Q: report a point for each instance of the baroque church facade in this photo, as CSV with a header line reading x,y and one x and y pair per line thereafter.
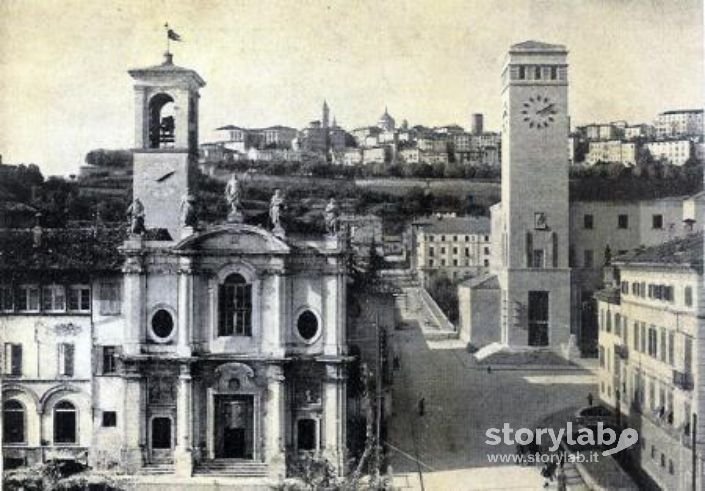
x,y
181,349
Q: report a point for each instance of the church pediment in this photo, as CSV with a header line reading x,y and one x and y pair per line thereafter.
x,y
236,238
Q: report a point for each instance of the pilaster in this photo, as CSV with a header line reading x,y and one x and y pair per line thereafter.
x,y
134,283
185,307
275,419
334,416
133,406
183,459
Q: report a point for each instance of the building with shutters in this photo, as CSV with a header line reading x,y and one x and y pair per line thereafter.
x,y
650,350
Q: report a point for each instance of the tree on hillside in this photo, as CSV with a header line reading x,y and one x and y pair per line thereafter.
x,y
109,158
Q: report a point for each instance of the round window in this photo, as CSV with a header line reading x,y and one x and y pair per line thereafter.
x,y
307,325
162,324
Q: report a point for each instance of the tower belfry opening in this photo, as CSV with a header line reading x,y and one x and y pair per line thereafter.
x,y
161,121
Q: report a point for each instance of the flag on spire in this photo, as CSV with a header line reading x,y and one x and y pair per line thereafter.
x,y
173,35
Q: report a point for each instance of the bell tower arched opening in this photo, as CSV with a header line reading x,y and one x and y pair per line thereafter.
x,y
161,121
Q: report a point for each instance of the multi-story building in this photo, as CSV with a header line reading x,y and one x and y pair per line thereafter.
x,y
186,349
680,123
457,247
376,155
676,152
602,230
608,151
601,131
639,131
651,321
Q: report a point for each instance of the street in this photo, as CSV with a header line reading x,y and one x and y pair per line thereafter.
x,y
463,400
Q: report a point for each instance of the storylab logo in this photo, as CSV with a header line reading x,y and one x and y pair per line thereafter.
x,y
584,436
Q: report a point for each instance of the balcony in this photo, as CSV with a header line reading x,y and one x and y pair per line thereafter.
x,y
622,351
683,380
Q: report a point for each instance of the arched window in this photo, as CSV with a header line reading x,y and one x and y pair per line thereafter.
x,y
64,422
161,121
235,307
13,422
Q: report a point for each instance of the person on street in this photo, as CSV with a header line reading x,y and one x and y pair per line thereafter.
x,y
422,406
589,398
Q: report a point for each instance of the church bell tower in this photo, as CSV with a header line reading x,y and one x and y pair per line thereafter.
x,y
535,278
166,141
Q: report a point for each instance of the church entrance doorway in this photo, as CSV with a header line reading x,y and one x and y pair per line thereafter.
x,y
161,438
538,318
234,427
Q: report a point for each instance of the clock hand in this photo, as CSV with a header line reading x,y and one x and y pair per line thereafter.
x,y
545,109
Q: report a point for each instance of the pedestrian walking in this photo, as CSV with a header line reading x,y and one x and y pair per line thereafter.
x,y
589,398
562,480
548,472
489,368
422,406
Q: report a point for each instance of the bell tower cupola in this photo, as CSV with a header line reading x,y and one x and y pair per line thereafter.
x,y
166,140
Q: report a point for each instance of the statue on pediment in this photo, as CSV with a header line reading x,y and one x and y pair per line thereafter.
x,y
275,207
332,213
189,217
136,214
233,195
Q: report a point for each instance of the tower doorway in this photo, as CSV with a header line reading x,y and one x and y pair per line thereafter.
x,y
538,318
234,427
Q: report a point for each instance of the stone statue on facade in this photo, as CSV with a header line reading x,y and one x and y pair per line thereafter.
x,y
136,213
332,213
189,217
275,206
233,195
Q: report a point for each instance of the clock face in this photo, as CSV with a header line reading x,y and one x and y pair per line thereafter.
x,y
538,112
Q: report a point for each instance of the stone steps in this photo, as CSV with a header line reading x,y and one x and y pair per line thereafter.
x,y
156,469
231,468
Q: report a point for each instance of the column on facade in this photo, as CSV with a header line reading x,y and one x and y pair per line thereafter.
x,y
331,320
134,283
334,415
274,424
133,407
182,454
185,307
275,300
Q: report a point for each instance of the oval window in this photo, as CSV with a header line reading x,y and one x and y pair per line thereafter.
x,y
162,324
307,325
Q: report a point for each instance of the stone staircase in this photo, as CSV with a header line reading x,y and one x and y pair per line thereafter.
x,y
231,468
157,469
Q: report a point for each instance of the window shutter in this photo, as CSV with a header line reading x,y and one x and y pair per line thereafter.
x,y
221,310
554,240
529,249
97,360
68,359
16,355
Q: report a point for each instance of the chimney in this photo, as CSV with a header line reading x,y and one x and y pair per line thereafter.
x,y
477,124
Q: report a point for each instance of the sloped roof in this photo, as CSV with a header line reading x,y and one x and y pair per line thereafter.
x,y
455,225
537,46
167,67
683,251
67,249
484,282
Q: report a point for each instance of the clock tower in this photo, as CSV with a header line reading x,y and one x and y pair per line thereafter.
x,y
533,237
166,141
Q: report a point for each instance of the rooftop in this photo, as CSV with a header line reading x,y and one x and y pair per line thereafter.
x,y
684,251
70,249
537,46
455,225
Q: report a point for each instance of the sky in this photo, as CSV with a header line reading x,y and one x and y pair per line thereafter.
x,y
65,90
